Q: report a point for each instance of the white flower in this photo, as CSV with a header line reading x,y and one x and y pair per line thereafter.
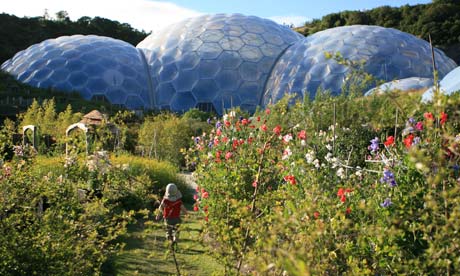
x,y
303,143
341,173
310,156
286,153
287,138
316,162
225,117
329,147
359,173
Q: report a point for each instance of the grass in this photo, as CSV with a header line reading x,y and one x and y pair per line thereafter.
x,y
147,252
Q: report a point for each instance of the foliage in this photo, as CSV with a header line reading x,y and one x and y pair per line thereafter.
x,y
333,187
162,136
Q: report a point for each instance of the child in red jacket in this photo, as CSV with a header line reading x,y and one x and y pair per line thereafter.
x,y
171,207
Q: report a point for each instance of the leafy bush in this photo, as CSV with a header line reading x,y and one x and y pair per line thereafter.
x,y
337,186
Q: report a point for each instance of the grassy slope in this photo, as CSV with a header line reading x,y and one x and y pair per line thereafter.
x,y
146,252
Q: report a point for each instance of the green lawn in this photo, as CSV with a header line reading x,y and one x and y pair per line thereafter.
x,y
147,252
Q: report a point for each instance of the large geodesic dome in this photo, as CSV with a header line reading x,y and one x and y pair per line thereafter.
x,y
96,67
448,85
388,54
214,61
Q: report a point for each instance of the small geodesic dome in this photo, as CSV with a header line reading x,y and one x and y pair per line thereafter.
x,y
96,67
408,84
388,54
448,85
214,61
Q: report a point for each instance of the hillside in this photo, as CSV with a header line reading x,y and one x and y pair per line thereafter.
x,y
440,19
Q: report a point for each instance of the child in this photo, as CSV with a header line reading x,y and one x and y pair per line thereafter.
x,y
171,207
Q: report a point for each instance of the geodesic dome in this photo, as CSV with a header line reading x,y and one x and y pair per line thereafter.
x,y
94,66
214,61
389,54
448,85
408,84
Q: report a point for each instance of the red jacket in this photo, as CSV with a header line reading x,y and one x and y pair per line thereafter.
x,y
171,208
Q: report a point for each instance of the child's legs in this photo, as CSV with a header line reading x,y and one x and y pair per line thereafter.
x,y
172,228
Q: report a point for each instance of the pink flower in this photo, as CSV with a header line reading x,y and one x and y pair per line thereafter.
x,y
244,122
195,208
316,215
263,127
267,111
254,184
302,135
205,195
277,130
429,116
218,132
419,126
228,155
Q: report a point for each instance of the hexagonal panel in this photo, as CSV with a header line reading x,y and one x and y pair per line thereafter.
x,y
389,54
205,90
90,65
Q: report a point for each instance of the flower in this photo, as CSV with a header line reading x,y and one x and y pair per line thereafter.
x,y
277,130
287,138
348,211
302,135
291,179
443,119
419,126
390,141
267,111
342,193
263,127
286,153
388,177
195,208
341,173
205,195
227,123
244,122
429,116
228,155
374,147
254,183
386,203
408,140
316,215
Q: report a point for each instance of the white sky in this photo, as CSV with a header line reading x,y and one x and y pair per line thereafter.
x,y
144,15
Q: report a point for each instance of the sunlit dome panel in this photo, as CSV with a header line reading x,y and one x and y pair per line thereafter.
x,y
213,59
97,67
388,55
448,85
408,84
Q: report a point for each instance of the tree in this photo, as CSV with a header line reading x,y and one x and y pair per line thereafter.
x,y
62,16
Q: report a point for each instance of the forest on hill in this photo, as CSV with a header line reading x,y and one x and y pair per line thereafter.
x,y
440,19
18,33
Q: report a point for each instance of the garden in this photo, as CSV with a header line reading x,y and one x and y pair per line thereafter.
x,y
338,185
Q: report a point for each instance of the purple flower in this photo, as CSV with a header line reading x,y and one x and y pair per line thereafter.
x,y
386,203
389,178
218,124
411,121
374,147
241,118
416,141
208,121
197,140
210,144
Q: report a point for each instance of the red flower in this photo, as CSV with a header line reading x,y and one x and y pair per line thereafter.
x,y
195,197
254,184
218,132
348,211
390,141
250,139
205,195
227,123
216,141
428,116
195,208
244,122
342,193
316,214
258,118
224,139
408,140
263,127
267,111
277,130
290,179
302,135
443,118
235,144
218,153
205,209
206,218
228,155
